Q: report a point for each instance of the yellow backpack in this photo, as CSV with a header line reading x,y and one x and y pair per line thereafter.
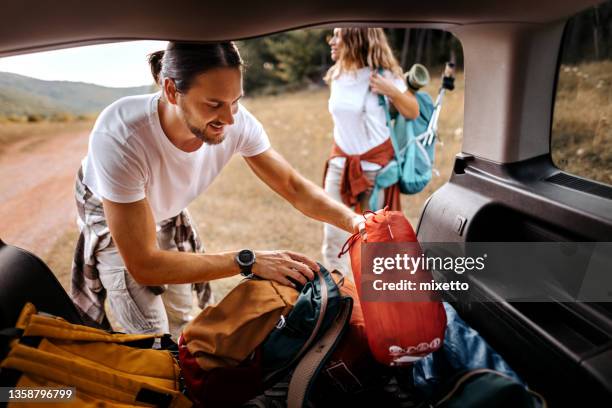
x,y
106,369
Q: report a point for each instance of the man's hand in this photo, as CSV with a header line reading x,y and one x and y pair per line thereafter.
x,y
281,265
359,222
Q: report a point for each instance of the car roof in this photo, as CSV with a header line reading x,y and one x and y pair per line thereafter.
x,y
36,25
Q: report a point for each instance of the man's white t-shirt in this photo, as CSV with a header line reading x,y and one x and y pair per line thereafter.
x,y
131,158
348,93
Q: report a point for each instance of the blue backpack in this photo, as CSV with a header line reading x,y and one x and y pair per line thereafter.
x,y
414,145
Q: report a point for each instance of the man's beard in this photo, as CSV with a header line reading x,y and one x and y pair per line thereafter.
x,y
201,134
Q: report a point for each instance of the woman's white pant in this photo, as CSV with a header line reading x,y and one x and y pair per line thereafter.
x,y
333,237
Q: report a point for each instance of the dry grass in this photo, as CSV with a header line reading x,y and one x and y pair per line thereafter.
x,y
239,211
581,141
27,135
59,256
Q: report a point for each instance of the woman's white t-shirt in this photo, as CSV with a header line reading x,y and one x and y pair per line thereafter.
x,y
131,158
346,103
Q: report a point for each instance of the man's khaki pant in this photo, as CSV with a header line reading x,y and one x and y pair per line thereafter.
x,y
134,307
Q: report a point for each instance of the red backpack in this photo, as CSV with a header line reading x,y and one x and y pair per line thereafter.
x,y
397,332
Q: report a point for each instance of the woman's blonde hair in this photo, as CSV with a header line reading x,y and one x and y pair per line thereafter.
x,y
363,47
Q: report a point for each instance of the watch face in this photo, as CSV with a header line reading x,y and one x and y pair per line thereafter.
x,y
245,257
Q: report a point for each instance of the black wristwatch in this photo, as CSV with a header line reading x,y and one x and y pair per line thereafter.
x,y
245,260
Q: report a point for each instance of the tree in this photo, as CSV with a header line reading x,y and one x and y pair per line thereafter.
x,y
259,72
405,45
297,58
299,55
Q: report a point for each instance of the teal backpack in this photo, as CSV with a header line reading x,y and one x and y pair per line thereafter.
x,y
414,146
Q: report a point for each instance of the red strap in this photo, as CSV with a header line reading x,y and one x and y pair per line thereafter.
x,y
349,243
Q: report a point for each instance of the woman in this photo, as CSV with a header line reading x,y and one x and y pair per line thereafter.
x,y
361,137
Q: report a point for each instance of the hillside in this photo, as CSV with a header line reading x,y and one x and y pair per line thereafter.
x,y
21,95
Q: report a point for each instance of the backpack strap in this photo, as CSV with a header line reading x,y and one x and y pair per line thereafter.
x,y
311,364
382,101
324,300
364,112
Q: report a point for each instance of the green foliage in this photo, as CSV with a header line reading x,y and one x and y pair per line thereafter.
x,y
295,59
259,74
284,61
301,55
274,64
588,35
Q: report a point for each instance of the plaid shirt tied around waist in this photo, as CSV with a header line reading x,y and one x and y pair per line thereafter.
x,y
87,291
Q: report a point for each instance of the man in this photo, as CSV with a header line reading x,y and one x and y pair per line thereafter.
x,y
149,157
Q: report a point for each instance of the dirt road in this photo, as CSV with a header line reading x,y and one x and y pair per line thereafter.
x,y
36,188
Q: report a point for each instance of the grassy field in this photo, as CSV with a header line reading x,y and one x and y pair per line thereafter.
x,y
581,141
239,211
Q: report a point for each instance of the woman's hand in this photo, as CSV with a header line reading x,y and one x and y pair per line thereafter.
x,y
405,102
383,86
279,266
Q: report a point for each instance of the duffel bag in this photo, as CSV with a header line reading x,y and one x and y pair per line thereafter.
x,y
106,369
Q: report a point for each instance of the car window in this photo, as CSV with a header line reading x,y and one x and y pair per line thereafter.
x,y
581,139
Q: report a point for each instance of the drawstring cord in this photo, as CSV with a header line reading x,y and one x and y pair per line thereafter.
x,y
349,243
353,238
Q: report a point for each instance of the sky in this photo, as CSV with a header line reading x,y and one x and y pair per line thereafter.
x,y
115,65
